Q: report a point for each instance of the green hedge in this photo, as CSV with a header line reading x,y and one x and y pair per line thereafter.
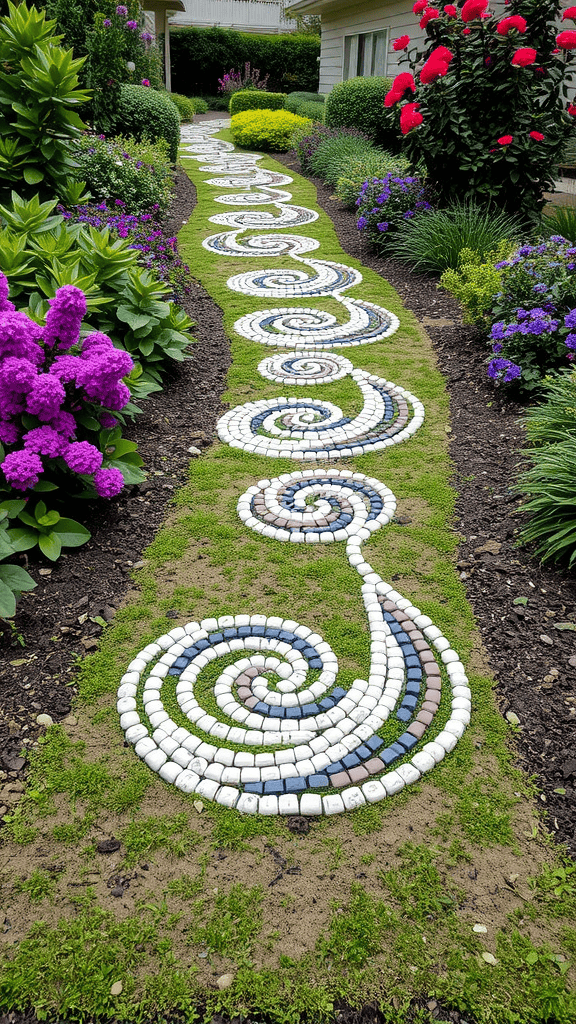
x,y
200,56
266,129
147,114
256,99
358,103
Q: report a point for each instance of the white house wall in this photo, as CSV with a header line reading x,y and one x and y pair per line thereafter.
x,y
243,15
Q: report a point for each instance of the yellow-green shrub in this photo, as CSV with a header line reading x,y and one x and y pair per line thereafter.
x,y
475,283
256,99
266,129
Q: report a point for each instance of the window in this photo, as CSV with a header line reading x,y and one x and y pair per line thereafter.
x,y
365,54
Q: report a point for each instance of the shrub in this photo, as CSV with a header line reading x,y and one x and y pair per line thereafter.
x,y
41,250
252,99
39,97
233,81
199,54
303,97
147,114
487,114
330,156
475,283
59,397
385,204
358,104
306,141
550,483
375,163
137,175
266,129
433,243
200,105
186,107
306,104
215,103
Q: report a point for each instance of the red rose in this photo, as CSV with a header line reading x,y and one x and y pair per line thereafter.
x,y
505,140
572,109
537,136
401,83
420,6
429,14
515,21
566,40
442,53
432,70
466,31
410,117
525,56
473,9
570,13
451,11
401,43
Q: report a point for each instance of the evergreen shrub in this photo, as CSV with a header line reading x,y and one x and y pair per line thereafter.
x,y
147,114
266,129
256,99
358,103
355,170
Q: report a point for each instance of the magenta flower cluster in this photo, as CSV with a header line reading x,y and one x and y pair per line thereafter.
x,y
49,374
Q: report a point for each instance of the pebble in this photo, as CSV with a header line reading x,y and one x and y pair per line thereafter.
x,y
116,988
225,981
44,720
192,450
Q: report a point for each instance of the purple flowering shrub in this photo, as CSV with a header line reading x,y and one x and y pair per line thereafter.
x,y
308,140
136,174
233,81
386,204
58,400
142,232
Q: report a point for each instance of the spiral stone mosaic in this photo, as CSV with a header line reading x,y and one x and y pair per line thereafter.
x,y
246,710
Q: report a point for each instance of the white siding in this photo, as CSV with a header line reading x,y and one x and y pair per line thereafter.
x,y
243,15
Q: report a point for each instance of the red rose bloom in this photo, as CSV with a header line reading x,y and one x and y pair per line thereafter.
x,y
437,65
473,9
420,6
572,109
401,43
537,136
429,14
525,56
566,40
400,84
570,13
515,21
505,140
466,31
410,117
451,11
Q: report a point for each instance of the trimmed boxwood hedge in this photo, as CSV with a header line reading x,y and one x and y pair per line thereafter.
x,y
200,56
146,113
256,99
266,129
358,103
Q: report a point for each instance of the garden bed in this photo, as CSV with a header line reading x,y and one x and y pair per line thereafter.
x,y
533,660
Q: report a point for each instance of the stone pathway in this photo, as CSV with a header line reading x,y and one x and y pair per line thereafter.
x,y
288,739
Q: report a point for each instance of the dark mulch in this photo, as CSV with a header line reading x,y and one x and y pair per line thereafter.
x,y
533,661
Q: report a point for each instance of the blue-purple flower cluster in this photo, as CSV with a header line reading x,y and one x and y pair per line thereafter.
x,y
385,203
50,378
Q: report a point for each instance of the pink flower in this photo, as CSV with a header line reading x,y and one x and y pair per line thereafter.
x,y
9,433
515,21
401,43
108,482
429,14
45,441
570,13
401,83
145,82
420,6
451,11
524,57
410,117
505,140
572,109
22,469
5,304
473,9
45,397
436,66
83,457
537,136
64,317
566,40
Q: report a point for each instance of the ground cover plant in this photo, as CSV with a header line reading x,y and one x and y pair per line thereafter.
x,y
289,958
485,107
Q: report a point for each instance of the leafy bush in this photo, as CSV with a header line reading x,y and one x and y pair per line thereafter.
x,y
39,97
375,163
550,483
306,141
385,204
253,99
59,396
306,104
13,578
215,102
233,81
186,107
200,104
476,282
358,104
41,250
330,156
303,97
266,129
433,243
136,175
199,54
487,114
147,114
314,111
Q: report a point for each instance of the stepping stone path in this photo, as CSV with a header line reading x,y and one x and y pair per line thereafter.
x,y
289,740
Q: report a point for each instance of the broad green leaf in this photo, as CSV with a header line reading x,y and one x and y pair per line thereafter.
x,y
7,602
50,545
71,534
16,577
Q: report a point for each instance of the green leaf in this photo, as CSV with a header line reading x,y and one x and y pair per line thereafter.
x,y
132,318
50,545
43,486
71,534
565,625
12,507
7,602
32,175
50,519
16,577
520,600
22,539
